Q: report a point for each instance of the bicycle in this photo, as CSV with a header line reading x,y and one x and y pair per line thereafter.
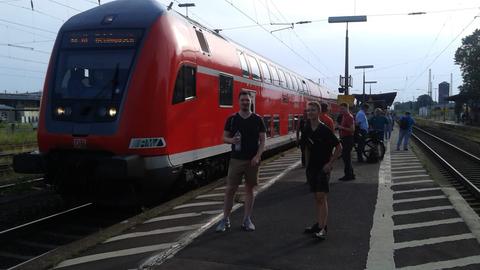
x,y
374,149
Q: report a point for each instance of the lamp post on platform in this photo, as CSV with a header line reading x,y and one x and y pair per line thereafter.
x,y
363,68
346,19
370,83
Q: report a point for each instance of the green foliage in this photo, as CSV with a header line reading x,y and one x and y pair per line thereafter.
x,y
18,137
468,57
424,101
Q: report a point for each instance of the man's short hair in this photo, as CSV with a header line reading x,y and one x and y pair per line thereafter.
x,y
324,107
407,113
315,104
345,105
244,93
365,106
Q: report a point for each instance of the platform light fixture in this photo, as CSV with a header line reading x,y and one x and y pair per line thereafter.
x,y
186,6
370,83
347,19
363,67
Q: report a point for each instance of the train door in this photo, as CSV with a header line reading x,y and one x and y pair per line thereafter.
x,y
252,94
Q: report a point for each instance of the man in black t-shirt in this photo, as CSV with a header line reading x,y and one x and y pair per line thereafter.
x,y
300,130
320,142
245,131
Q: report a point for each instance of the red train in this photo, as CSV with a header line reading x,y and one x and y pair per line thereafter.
x,y
137,93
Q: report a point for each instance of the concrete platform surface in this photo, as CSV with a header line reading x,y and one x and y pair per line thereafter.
x,y
393,216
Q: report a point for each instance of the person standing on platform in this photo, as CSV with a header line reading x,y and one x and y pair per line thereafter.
x,y
362,123
245,131
320,141
379,124
300,130
325,118
346,129
405,124
389,129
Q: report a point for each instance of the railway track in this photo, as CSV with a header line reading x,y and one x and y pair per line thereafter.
x,y
29,243
6,166
460,166
21,182
32,240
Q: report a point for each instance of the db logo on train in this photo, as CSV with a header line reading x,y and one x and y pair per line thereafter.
x,y
79,143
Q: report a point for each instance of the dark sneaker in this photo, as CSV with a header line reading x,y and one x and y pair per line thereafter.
x,y
248,225
312,229
223,225
405,149
322,234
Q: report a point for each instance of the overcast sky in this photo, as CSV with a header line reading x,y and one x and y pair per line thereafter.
x,y
401,47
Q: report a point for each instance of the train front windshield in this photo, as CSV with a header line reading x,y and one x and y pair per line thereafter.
x,y
92,74
95,64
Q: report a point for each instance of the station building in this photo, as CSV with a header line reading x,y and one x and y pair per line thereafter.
x,y
23,107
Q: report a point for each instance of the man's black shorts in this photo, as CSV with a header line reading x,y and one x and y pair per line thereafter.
x,y
318,180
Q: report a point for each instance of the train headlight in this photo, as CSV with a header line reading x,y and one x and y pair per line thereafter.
x,y
60,111
112,112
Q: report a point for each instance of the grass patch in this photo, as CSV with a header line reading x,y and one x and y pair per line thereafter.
x,y
17,136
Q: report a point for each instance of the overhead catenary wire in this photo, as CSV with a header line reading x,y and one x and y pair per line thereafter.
x,y
22,76
22,69
429,51
194,15
33,42
368,15
34,10
23,59
278,39
24,48
446,47
23,30
64,5
28,26
303,42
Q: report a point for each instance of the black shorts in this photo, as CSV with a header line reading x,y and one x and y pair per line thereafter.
x,y
318,180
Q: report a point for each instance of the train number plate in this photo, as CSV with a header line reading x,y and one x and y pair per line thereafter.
x,y
79,143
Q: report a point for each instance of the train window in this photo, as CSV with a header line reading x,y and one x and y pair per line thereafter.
x,y
267,121
226,90
185,85
92,74
304,86
267,77
294,83
276,125
300,88
289,81
202,41
283,81
276,79
255,68
243,63
290,123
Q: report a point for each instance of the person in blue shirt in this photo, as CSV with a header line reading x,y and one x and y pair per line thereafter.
x,y
405,123
378,124
361,122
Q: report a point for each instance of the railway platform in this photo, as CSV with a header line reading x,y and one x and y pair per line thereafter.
x,y
393,216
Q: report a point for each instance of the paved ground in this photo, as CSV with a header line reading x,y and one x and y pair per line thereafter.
x,y
394,216
416,225
281,215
